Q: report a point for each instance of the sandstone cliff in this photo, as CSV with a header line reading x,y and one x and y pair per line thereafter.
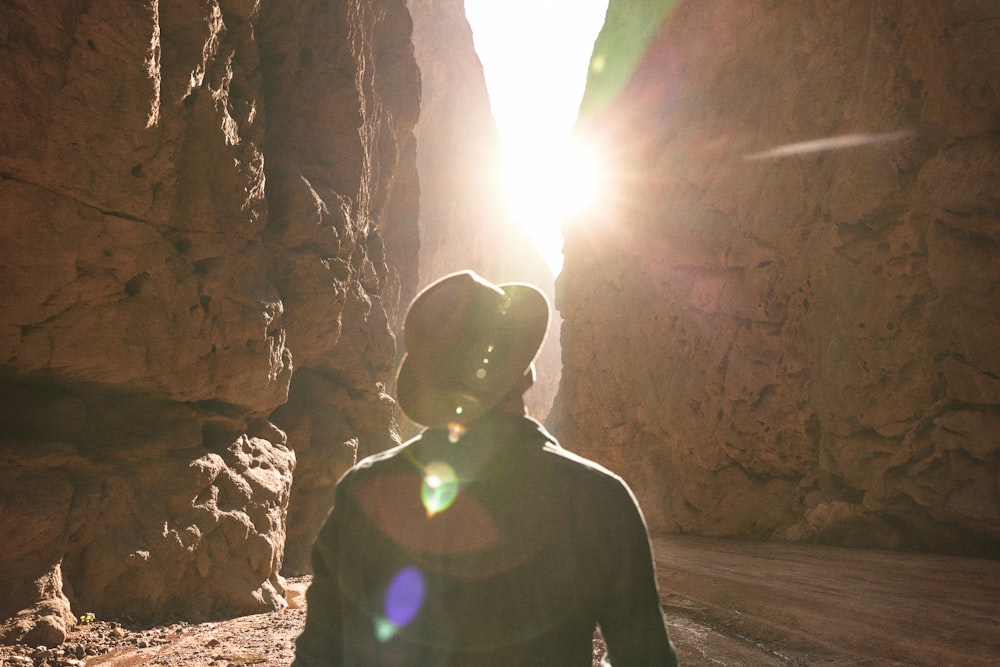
x,y
794,345
205,219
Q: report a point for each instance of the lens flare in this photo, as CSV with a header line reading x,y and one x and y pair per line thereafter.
x,y
455,432
402,603
831,143
439,489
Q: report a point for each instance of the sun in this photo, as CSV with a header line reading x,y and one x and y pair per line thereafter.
x,y
547,183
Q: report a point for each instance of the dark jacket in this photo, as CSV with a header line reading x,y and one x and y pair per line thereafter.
x,y
499,549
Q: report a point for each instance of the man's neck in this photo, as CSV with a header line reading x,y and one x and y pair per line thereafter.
x,y
513,404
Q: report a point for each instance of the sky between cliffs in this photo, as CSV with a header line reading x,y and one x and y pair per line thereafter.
x,y
535,56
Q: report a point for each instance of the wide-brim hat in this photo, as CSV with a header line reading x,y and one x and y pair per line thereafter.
x,y
468,342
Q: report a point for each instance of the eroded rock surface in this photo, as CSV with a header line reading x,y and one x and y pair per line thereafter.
x,y
795,341
342,94
196,204
128,507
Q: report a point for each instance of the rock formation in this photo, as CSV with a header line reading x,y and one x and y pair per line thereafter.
x,y
465,222
340,108
199,203
791,340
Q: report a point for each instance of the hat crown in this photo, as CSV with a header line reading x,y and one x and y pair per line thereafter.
x,y
467,342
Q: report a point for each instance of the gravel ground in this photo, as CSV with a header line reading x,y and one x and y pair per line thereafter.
x,y
263,640
727,602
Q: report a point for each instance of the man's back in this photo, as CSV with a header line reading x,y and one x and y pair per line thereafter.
x,y
498,549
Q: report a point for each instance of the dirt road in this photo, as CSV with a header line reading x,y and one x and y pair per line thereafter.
x,y
744,603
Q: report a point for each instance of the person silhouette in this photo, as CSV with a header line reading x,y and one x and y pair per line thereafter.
x,y
481,541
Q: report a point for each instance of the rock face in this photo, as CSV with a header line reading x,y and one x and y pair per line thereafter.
x,y
795,344
341,97
199,201
465,222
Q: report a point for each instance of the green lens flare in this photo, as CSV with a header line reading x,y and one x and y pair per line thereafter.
x,y
629,29
385,629
439,489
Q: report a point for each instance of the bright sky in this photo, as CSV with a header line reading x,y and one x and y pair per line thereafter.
x,y
535,55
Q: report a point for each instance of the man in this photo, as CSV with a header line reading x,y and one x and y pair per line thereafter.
x,y
480,542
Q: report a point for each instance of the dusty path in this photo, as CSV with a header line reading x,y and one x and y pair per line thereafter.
x,y
744,603
728,603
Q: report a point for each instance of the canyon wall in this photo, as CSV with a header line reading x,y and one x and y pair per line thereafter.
x,y
784,321
206,222
465,221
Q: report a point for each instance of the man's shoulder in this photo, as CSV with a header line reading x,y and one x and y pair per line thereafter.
x,y
572,460
586,471
369,465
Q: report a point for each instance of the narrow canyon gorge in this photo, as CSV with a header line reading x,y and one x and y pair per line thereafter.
x,y
779,324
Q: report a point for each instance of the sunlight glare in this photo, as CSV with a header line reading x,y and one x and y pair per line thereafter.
x,y
552,181
548,183
535,56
